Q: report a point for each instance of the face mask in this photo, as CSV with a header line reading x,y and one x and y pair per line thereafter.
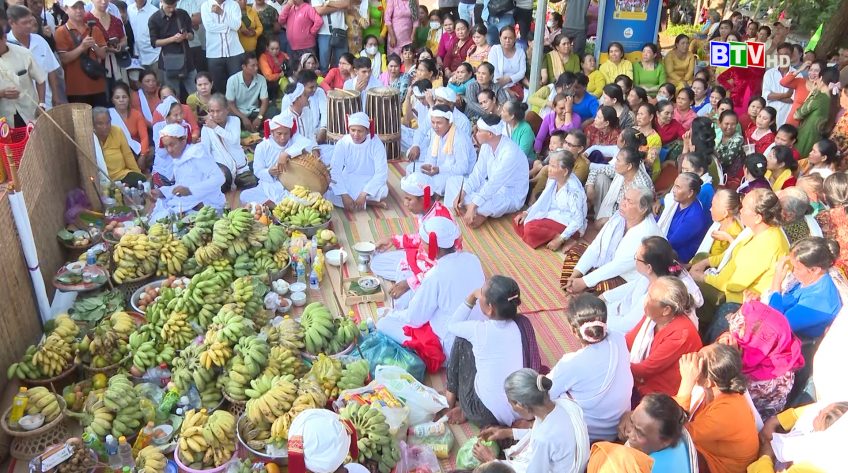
x,y
551,24
371,50
434,25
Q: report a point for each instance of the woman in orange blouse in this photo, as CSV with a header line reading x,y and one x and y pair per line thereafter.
x,y
803,87
133,122
150,91
188,114
273,63
721,422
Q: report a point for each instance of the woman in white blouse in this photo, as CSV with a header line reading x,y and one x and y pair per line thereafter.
x,y
510,63
558,441
560,211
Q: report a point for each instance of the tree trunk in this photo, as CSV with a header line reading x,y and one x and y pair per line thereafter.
x,y
833,32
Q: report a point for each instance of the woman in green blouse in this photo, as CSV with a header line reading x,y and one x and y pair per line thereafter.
x,y
560,59
649,73
814,114
512,114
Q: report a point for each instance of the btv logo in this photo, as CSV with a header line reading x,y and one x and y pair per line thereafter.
x,y
750,54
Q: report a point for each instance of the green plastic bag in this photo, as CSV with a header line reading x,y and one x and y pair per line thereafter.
x,y
465,459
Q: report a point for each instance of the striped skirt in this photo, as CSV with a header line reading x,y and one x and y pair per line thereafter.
x,y
572,256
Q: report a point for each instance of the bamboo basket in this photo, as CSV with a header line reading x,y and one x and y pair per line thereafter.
x,y
27,445
56,383
109,371
236,408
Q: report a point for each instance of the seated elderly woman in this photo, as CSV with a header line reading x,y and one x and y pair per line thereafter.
x,y
558,441
655,438
113,151
560,211
606,184
664,334
596,376
771,354
811,300
684,220
834,219
655,258
809,438
725,228
722,423
798,221
748,264
485,351
608,261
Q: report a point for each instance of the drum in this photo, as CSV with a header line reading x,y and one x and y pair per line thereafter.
x,y
308,171
340,104
382,105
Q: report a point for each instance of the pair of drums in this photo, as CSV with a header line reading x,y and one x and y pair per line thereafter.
x,y
382,105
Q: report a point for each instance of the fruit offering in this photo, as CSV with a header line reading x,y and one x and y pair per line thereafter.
x,y
150,460
118,412
327,237
52,356
375,442
108,343
151,293
302,207
207,441
354,375
269,398
135,256
288,334
81,461
42,401
324,333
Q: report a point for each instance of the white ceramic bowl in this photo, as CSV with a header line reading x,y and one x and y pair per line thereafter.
x,y
365,247
31,422
76,267
369,284
298,298
285,305
284,287
333,257
162,434
297,287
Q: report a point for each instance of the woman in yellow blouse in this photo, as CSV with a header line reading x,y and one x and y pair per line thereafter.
x,y
680,63
119,159
616,65
251,27
597,81
726,227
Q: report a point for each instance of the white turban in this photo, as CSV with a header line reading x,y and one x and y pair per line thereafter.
x,y
290,98
446,232
285,119
173,130
445,93
359,119
496,129
165,107
415,184
325,440
440,114
417,92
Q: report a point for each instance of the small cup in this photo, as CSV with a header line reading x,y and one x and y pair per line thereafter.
x,y
298,298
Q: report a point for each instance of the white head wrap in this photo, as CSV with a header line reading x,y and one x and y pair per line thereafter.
x,y
417,92
173,130
325,440
414,184
285,119
290,98
440,114
359,119
496,129
447,232
165,107
445,93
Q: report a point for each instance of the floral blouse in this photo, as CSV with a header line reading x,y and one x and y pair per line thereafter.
x,y
834,225
595,136
839,135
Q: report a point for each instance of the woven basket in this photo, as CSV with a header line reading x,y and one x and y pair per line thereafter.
x,y
56,383
28,445
236,408
109,371
129,286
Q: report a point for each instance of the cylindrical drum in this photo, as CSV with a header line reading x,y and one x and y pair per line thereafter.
x,y
382,105
340,104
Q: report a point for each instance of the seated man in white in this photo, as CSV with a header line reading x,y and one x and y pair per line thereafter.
x,y
163,167
282,142
362,80
420,109
455,275
359,171
447,97
497,185
196,175
301,102
221,137
402,259
447,152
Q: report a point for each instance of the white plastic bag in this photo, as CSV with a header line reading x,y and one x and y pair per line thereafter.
x,y
423,402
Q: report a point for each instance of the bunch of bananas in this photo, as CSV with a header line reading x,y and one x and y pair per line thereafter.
x,y
287,334
150,460
135,256
205,218
276,238
354,375
256,437
269,398
41,401
345,333
98,420
195,238
309,396
282,361
62,332
248,293
375,442
206,293
229,326
246,365
319,330
64,327
211,397
306,217
172,255
205,254
186,370
215,353
156,312
263,261
257,235
109,342
192,444
326,371
123,401
177,331
207,441
122,323
302,198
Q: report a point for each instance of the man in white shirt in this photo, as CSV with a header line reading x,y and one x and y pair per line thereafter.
x,y
22,84
222,20
22,24
447,97
332,12
447,150
359,171
776,95
362,80
140,12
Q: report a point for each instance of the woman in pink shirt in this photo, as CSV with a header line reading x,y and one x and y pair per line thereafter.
x,y
448,40
302,23
401,19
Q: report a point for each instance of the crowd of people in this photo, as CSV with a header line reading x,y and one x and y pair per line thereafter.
x,y
701,211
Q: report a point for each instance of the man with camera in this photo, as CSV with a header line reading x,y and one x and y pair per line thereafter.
x,y
82,49
171,30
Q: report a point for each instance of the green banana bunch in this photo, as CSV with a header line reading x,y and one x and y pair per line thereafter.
x,y
375,442
318,328
276,238
354,375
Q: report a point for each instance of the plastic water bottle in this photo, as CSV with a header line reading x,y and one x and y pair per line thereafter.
x,y
125,453
300,270
313,279
112,453
90,257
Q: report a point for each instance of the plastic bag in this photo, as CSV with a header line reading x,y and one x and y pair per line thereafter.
x,y
396,417
379,349
417,459
465,458
437,436
423,401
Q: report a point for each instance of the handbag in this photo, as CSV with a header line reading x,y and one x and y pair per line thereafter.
x,y
174,65
499,7
246,179
338,36
93,68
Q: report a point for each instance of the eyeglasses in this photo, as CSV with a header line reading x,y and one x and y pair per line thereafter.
x,y
572,145
636,258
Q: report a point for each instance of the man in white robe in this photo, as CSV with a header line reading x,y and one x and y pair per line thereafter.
x,y
362,80
498,183
359,171
455,275
319,442
221,137
282,142
447,151
447,97
420,108
302,102
197,177
163,166
776,95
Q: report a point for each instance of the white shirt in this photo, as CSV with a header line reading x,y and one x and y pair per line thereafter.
x,y
43,56
566,206
222,30
513,67
224,144
553,445
139,19
622,262
359,167
625,303
598,378
497,172
266,155
337,17
771,84
197,171
192,7
498,352
457,163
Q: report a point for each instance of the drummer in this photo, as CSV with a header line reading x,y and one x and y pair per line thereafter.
x,y
282,142
402,258
362,79
359,170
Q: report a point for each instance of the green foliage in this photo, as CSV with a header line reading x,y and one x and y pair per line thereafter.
x,y
688,30
807,15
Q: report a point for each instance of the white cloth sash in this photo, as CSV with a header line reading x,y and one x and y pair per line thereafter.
x,y
145,107
117,120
